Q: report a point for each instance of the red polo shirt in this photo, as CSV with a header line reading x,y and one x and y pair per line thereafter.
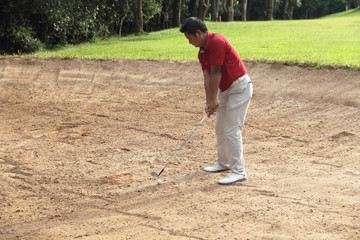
x,y
218,51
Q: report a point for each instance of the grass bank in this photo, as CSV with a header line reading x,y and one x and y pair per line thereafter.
x,y
331,41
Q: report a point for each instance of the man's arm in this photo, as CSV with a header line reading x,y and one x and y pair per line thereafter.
x,y
211,83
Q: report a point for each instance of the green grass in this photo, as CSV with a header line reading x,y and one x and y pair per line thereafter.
x,y
351,13
331,41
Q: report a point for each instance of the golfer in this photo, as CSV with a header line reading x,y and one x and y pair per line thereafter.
x,y
228,92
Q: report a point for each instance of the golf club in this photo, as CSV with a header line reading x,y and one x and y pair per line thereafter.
x,y
154,174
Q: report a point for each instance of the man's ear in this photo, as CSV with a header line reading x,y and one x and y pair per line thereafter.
x,y
198,33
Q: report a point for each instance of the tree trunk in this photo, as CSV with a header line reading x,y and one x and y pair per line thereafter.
x,y
230,10
244,9
176,13
284,10
214,10
139,28
193,8
347,6
304,8
352,4
291,11
122,18
165,12
203,9
270,10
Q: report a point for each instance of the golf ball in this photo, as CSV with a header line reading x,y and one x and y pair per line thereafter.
x,y
159,181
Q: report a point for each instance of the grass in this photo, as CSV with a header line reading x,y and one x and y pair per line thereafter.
x,y
351,13
330,41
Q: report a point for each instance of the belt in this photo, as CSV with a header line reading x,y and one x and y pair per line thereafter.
x,y
240,79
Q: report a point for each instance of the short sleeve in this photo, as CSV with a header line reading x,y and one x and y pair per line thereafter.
x,y
217,51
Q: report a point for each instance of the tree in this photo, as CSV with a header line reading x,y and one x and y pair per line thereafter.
x,y
229,10
284,9
138,16
123,16
317,8
214,10
203,8
270,10
293,3
165,13
194,6
244,9
352,4
199,8
176,13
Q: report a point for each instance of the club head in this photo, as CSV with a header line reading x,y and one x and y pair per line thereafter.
x,y
154,174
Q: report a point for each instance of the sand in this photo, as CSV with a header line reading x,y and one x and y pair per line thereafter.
x,y
78,140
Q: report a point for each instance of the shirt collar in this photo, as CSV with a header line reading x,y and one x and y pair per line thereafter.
x,y
207,43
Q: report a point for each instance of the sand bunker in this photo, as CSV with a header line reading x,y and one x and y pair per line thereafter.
x,y
78,140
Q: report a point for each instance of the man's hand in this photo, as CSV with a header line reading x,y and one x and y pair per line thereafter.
x,y
211,107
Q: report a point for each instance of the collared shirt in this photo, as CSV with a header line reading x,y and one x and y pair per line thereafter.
x,y
218,51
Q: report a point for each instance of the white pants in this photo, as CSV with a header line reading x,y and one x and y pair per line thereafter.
x,y
230,119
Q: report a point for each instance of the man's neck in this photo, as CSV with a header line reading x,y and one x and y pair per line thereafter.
x,y
204,37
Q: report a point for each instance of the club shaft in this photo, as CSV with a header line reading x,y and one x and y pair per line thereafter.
x,y
187,139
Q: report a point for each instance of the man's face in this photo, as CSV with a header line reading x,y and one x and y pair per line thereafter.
x,y
194,39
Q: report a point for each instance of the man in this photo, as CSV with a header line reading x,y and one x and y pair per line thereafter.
x,y
228,92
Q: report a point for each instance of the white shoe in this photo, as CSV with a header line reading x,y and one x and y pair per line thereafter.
x,y
233,178
216,168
